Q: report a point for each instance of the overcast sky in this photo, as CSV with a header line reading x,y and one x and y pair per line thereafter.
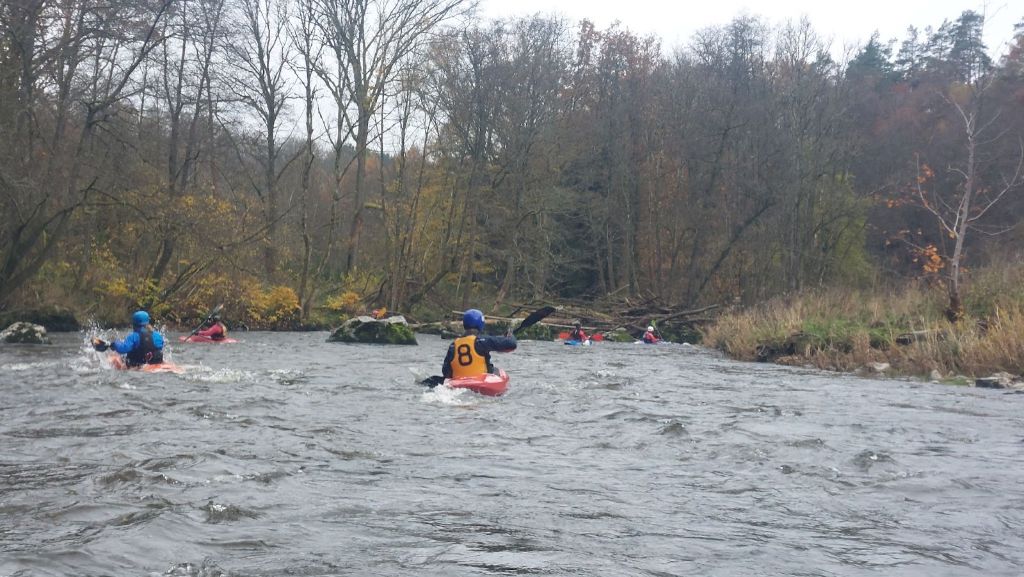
x,y
846,23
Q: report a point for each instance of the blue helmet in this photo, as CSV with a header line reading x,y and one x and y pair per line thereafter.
x,y
473,319
140,318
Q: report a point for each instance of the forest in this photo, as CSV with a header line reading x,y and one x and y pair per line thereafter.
x,y
305,160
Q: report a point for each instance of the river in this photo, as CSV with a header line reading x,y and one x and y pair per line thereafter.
x,y
287,455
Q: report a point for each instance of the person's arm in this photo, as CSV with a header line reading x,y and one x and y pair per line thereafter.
x,y
158,339
446,367
124,347
490,344
209,332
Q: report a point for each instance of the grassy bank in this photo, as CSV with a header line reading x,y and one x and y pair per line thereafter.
x,y
848,330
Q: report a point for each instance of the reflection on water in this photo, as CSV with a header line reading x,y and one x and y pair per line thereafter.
x,y
288,455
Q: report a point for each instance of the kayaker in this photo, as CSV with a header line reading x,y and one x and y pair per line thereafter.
x,y
144,345
577,333
215,329
470,354
649,337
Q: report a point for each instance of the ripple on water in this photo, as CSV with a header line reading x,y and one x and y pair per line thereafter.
x,y
279,458
226,513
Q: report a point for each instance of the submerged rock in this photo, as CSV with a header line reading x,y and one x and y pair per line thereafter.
x,y
363,329
25,333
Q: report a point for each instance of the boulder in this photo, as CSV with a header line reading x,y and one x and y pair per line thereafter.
x,y
364,329
997,381
25,333
619,335
443,329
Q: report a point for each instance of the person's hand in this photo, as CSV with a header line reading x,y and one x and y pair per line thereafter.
x,y
100,344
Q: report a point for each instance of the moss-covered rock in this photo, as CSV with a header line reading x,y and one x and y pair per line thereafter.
x,y
25,333
443,329
538,332
390,331
619,335
54,319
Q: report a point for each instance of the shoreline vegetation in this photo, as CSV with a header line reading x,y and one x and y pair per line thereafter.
x,y
896,332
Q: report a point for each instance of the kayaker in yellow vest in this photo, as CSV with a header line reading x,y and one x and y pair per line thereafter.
x,y
470,354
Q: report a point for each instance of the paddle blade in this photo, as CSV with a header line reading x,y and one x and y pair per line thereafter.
x,y
432,381
533,318
597,337
564,335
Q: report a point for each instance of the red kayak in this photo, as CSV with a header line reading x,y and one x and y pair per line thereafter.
x,y
117,362
487,384
202,339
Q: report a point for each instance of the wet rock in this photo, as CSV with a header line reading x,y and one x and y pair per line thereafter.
x,y
935,375
25,333
618,335
363,329
1000,380
443,329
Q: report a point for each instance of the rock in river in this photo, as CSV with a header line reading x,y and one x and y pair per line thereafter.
x,y
363,329
25,333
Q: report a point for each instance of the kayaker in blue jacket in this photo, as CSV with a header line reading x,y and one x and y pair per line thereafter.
x,y
143,346
470,354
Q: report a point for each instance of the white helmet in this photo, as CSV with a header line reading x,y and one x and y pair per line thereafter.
x,y
650,328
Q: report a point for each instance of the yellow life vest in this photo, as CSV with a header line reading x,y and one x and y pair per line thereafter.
x,y
467,362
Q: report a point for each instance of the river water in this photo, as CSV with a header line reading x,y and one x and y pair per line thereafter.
x,y
288,455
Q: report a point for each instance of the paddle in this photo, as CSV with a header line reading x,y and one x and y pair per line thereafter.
x,y
530,320
533,318
215,310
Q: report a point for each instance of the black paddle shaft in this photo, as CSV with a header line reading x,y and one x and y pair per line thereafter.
x,y
533,318
215,310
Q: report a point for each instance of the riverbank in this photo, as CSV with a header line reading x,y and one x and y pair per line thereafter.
x,y
894,332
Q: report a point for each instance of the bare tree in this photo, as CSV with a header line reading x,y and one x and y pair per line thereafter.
x,y
960,204
372,39
260,56
302,30
61,38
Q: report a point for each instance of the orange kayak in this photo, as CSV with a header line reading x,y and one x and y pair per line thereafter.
x,y
202,339
487,384
117,362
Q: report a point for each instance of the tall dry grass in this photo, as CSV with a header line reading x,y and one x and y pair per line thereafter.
x,y
844,330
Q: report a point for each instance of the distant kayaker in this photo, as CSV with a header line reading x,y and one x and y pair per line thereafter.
x,y
143,346
215,329
577,333
649,336
470,354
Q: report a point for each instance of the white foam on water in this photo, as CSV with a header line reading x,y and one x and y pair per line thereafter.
x,y
18,367
443,395
205,374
